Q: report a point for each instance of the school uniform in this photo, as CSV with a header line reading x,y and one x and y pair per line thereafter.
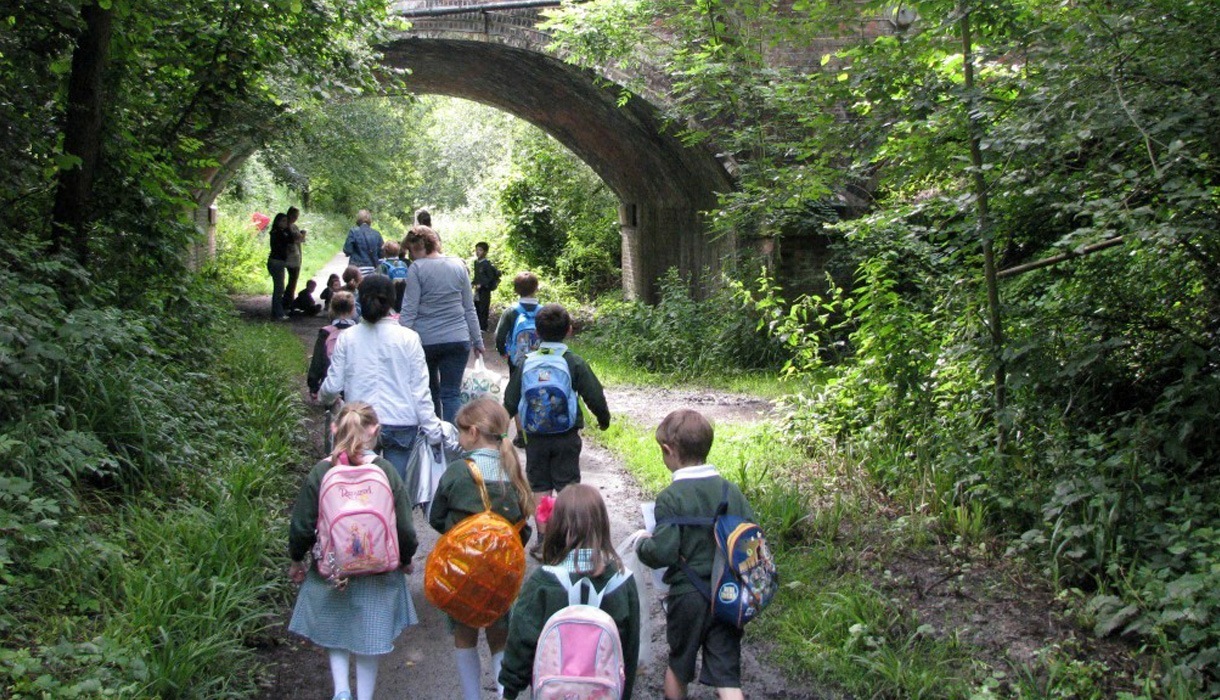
x,y
696,491
542,595
369,613
552,461
457,496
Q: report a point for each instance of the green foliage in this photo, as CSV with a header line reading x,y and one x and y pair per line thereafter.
x,y
561,218
687,338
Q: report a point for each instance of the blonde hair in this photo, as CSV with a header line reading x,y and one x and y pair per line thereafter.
x,y
580,521
491,420
342,304
354,432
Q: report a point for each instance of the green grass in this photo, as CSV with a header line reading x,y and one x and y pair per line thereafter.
x,y
612,370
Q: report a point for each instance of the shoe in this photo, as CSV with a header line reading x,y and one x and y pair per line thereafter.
x,y
343,695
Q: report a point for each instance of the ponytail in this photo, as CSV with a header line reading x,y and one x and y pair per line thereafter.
x,y
353,432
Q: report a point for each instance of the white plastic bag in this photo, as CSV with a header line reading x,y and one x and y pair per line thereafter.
x,y
642,575
478,381
428,462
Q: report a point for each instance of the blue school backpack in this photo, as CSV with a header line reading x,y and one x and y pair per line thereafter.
x,y
744,579
524,338
548,404
394,268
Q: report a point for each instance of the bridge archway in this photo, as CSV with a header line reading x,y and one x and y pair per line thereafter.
x,y
662,184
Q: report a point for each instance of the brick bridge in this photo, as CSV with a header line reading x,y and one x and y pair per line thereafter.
x,y
496,56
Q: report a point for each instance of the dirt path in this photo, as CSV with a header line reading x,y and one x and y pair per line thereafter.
x,y
421,666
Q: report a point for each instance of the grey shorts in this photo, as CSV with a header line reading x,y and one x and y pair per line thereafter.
x,y
689,627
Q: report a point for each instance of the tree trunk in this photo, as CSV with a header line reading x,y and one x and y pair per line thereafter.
x,y
82,132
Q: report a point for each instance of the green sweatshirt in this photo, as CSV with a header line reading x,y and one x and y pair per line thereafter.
x,y
584,383
695,492
457,497
543,595
302,529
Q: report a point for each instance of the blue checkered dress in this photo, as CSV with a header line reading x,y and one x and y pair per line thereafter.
x,y
364,618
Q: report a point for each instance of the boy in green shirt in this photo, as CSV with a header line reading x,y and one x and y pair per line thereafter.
x,y
697,491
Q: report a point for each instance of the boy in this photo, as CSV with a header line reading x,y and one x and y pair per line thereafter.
x,y
304,302
393,266
525,284
697,490
486,279
551,416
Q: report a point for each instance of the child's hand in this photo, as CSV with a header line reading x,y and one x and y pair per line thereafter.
x,y
296,572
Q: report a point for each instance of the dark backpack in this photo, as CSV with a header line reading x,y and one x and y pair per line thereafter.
x,y
744,579
495,278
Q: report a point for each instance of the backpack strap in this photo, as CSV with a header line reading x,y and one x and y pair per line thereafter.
x,y
478,481
703,586
574,590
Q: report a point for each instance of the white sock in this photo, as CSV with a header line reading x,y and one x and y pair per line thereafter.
x,y
340,665
366,676
471,672
496,660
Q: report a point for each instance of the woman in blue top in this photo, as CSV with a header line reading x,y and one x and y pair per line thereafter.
x,y
363,244
439,306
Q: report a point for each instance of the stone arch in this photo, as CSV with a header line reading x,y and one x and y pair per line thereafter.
x,y
498,59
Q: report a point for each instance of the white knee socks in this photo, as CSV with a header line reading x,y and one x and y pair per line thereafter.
x,y
470,671
366,676
340,664
496,660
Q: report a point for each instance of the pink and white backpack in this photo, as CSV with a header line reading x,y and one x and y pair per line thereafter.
x,y
357,525
579,654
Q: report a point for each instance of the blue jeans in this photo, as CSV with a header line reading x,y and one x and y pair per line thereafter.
x,y
277,268
446,365
396,444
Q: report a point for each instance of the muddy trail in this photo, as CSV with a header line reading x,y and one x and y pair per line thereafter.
x,y
421,665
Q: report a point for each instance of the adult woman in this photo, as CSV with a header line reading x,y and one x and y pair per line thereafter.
x,y
363,244
277,262
293,258
439,306
381,363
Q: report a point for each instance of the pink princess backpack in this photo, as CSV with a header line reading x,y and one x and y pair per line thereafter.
x,y
579,654
357,524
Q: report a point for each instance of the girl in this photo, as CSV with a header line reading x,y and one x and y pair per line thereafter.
x,y
333,284
482,431
577,539
365,616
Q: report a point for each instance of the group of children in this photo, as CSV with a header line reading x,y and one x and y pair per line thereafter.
x,y
364,617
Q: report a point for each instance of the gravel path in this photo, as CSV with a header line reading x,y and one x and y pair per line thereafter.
x,y
421,666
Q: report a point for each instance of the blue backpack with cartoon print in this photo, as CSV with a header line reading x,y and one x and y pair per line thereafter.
x,y
524,337
744,579
548,403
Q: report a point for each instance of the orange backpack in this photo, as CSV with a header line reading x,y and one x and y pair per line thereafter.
x,y
476,568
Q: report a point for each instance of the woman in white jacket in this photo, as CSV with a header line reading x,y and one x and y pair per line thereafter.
x,y
382,363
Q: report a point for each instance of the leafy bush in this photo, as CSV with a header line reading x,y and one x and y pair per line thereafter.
x,y
688,337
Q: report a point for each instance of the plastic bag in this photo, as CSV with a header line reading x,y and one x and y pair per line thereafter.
x,y
626,552
427,463
479,381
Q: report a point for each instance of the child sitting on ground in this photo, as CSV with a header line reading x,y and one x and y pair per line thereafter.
x,y
546,393
697,490
304,302
333,284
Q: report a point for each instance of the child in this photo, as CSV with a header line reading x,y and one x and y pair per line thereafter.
x,y
486,279
352,278
525,284
550,415
333,284
364,616
482,426
697,490
304,302
578,540
393,266
342,316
